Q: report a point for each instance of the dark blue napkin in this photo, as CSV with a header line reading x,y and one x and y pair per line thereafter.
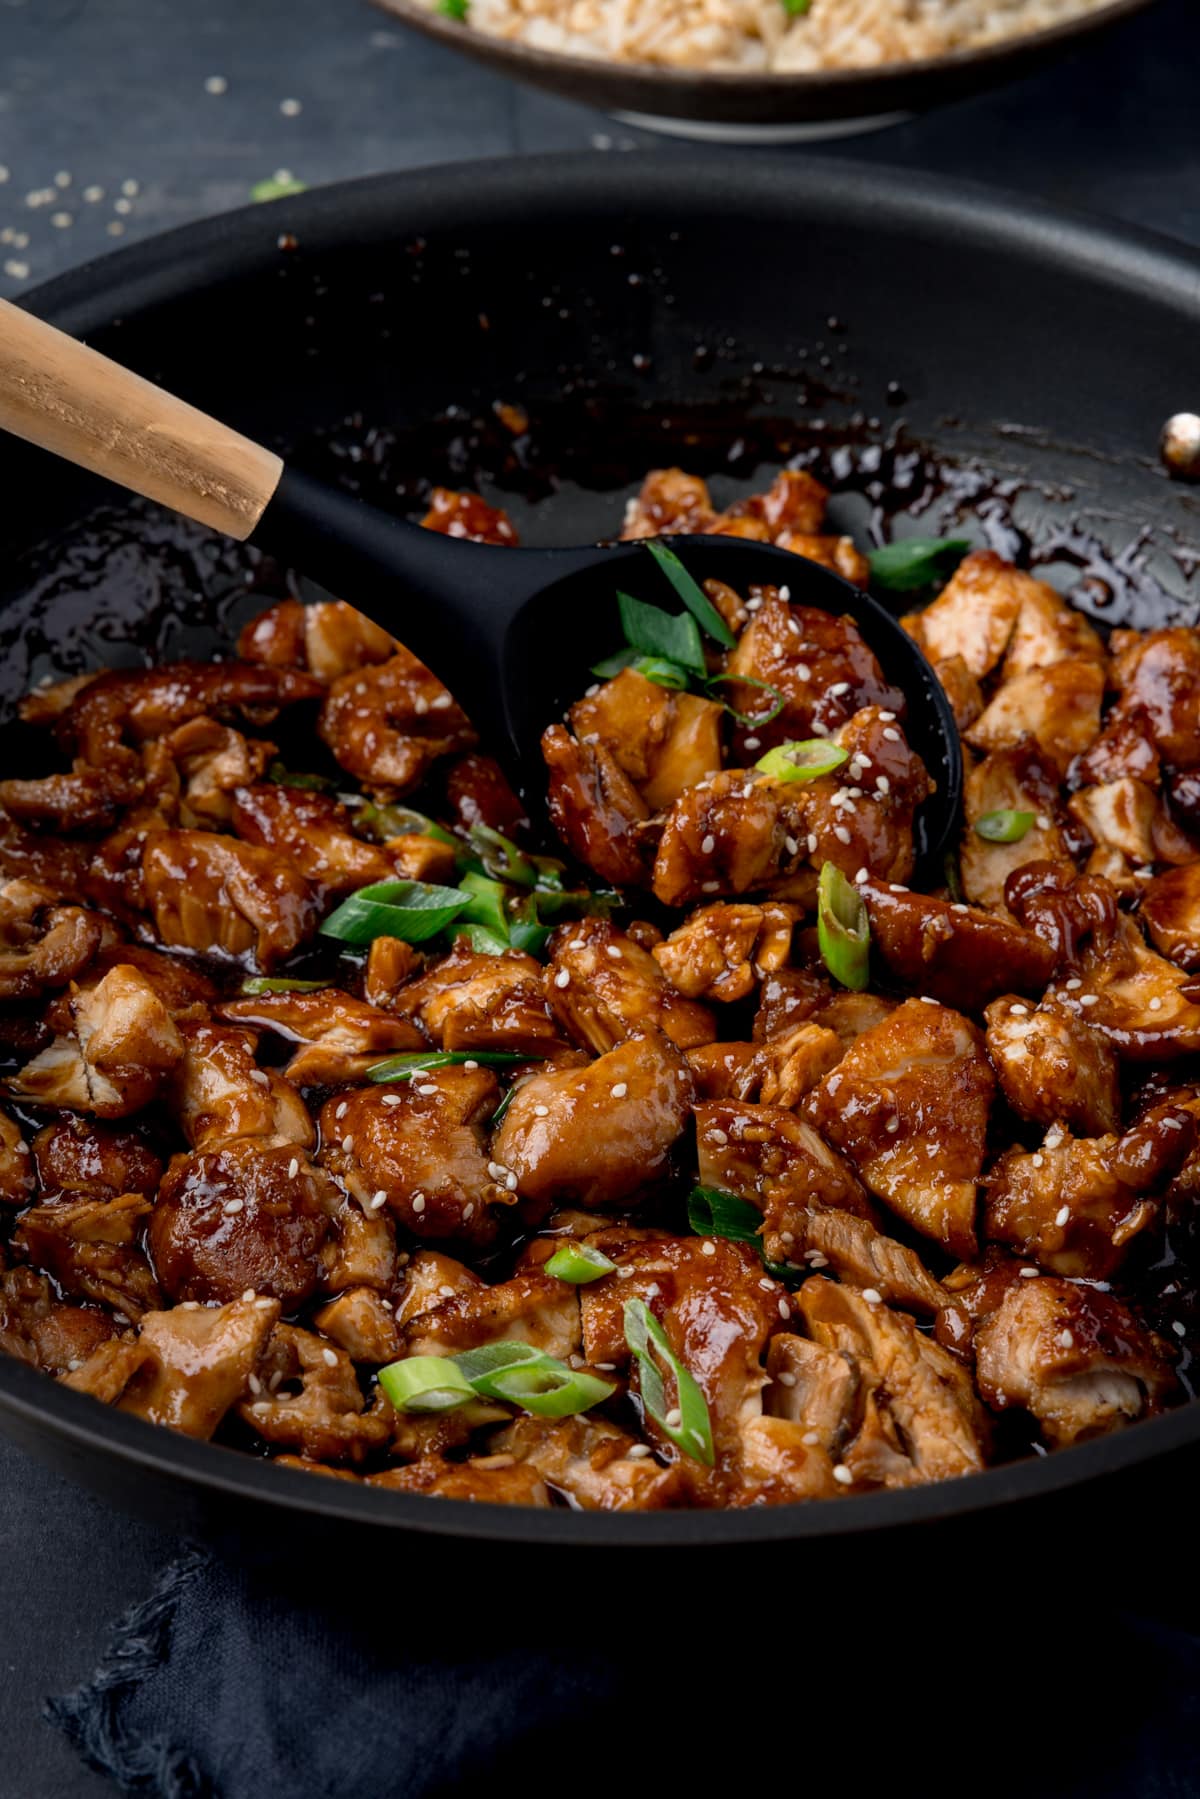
x,y
990,1680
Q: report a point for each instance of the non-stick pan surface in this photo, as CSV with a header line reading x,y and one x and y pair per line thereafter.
x,y
979,359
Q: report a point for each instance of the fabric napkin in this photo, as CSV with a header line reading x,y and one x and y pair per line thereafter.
x,y
221,1685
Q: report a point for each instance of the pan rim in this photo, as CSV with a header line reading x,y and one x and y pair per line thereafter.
x,y
236,246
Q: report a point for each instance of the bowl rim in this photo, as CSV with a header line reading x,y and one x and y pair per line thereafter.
x,y
243,244
587,70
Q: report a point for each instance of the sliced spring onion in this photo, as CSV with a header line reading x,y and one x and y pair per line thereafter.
x,y
661,672
401,821
497,1117
612,665
843,928
652,632
425,1383
795,9
692,595
255,984
750,719
482,941
403,1067
954,886
1004,827
506,861
486,904
538,1383
579,1263
411,910
527,930
714,1213
806,760
283,776
273,188
647,1340
916,562
454,9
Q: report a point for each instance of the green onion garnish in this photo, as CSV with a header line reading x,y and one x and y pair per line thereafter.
x,y
843,928
261,983
916,562
526,929
402,821
646,1339
273,188
1004,827
505,861
482,941
411,910
661,672
425,1383
403,1067
486,904
714,1213
806,760
579,1263
522,1375
692,595
652,632
795,9
283,776
750,719
953,876
612,665
454,9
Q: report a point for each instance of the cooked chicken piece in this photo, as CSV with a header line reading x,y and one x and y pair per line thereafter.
x,y
597,810
841,554
214,759
737,833
466,1001
360,1250
422,1146
38,1327
46,703
975,614
429,1278
117,1049
790,997
387,724
795,502
390,962
312,832
487,1480
958,954
90,1247
851,1015
777,1162
54,863
478,793
587,1460
1074,1357
1157,674
1127,816
308,1399
329,638
1124,748
219,897
962,689
415,857
1075,1205
718,1309
1133,996
723,951
42,944
1048,630
340,1037
908,1104
1059,707
1052,1066
1015,780
862,1257
817,1388
669,501
464,514
187,1369
87,799
602,987
220,1092
601,1134
819,664
862,816
531,1308
82,1158
362,1323
664,741
245,1217
789,1065
16,1164
918,1388
183,989
1170,911
724,1070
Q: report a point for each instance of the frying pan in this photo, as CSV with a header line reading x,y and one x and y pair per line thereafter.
x,y
950,352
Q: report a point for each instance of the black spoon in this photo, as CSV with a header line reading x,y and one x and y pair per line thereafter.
x,y
512,632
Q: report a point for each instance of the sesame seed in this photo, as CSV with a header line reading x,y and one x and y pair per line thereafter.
x,y
839,688
803,672
291,109
541,1111
1155,1004
785,593
843,1475
392,1099
468,1211
812,842
708,1248
862,875
4,174
882,785
791,846
510,1181
1062,1216
1089,999
815,1259
612,950
189,1305
232,1207
926,1000
562,978
293,1168
216,84
753,743
1074,984
1178,1327
61,220
254,1384
1043,823
892,736
768,1286
718,1136
785,1310
418,1204
841,833
497,1170
341,1110
428,1090
1019,1011
129,188
1066,1340
819,730
674,1418
873,1296
250,1293
470,1065
123,206
638,1450
785,1379
16,268
378,1199
1028,1274
1038,1160
329,1357
348,1142
810,1437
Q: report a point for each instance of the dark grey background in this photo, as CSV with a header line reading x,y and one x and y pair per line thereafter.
x,y
113,92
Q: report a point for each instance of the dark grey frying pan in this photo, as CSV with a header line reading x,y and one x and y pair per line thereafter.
x,y
932,349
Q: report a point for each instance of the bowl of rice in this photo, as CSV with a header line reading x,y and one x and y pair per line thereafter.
x,y
765,70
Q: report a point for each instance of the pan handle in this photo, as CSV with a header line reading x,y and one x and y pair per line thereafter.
x,y
70,400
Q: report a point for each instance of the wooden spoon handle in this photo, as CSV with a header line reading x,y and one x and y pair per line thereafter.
x,y
70,400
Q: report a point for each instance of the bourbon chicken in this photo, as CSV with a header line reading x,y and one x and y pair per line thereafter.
x,y
341,1122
